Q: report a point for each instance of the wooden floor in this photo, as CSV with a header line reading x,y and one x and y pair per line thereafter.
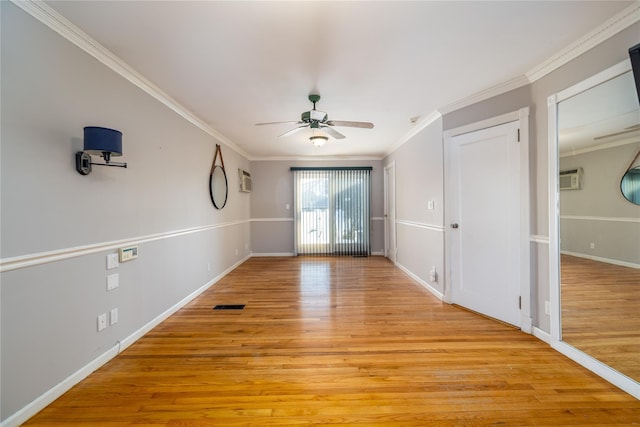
x,y
327,341
601,312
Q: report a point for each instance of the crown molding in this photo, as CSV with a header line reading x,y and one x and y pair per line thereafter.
x,y
627,17
58,23
315,158
485,94
419,126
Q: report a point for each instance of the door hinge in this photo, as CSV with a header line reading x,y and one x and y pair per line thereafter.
x,y
518,135
520,303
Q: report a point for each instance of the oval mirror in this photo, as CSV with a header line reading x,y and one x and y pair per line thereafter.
x,y
218,188
630,185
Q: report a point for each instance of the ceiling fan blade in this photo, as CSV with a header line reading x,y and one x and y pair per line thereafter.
x,y
292,131
364,125
277,123
332,132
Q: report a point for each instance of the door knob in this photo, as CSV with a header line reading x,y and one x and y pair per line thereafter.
x,y
454,225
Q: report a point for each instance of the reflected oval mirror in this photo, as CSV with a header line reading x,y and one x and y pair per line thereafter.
x,y
630,185
218,187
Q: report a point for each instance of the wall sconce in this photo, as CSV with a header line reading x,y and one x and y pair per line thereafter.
x,y
101,142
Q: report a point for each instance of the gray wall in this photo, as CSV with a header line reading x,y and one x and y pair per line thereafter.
x,y
272,230
50,91
598,213
533,96
419,180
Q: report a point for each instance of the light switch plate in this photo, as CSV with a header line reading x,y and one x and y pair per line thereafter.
x,y
113,316
112,261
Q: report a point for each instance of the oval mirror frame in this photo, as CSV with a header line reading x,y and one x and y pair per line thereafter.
x,y
218,187
630,185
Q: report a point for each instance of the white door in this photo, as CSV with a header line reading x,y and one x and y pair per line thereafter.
x,y
390,246
485,221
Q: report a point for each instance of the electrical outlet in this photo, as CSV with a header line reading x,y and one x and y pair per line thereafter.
x,y
593,245
113,316
208,266
433,275
113,281
102,321
236,251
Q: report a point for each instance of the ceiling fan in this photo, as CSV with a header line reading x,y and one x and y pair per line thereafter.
x,y
315,119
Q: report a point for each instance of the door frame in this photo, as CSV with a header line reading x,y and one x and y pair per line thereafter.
x,y
390,206
521,116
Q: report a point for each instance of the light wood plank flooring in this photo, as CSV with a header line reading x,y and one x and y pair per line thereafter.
x,y
336,341
601,312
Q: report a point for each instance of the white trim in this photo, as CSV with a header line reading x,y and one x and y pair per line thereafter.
x,y
423,283
485,94
603,76
614,377
484,124
601,259
625,383
600,218
314,158
609,28
421,225
58,390
272,254
604,31
58,23
377,218
619,143
535,238
271,220
542,335
377,253
522,117
421,124
30,260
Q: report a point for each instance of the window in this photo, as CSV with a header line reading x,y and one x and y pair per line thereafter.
x,y
332,212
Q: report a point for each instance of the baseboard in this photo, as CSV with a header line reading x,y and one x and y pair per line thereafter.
x,y
600,259
126,342
541,335
259,254
58,390
424,284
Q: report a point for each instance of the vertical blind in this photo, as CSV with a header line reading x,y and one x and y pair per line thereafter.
x,y
332,210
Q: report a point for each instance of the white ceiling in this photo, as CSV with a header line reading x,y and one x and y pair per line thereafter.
x,y
234,64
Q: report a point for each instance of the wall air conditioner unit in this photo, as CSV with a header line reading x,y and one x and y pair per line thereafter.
x,y
245,181
571,179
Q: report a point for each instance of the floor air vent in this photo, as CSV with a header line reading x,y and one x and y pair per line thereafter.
x,y
229,307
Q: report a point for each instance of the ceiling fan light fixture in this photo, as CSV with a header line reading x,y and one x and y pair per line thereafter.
x,y
318,140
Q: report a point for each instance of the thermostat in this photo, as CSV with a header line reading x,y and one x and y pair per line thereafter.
x,y
128,253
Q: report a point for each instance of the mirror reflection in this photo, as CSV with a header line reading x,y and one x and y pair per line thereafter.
x,y
630,185
218,187
598,137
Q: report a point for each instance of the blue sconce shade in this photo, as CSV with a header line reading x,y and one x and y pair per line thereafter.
x,y
103,141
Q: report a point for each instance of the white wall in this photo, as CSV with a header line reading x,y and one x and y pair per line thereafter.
x,y
50,90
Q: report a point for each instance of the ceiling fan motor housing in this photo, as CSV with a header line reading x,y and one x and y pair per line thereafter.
x,y
313,116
